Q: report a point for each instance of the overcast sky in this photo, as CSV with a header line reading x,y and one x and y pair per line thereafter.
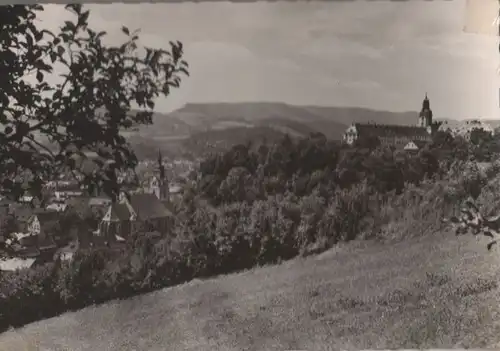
x,y
380,55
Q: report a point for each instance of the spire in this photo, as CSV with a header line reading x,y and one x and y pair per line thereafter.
x,y
162,192
425,115
426,103
161,168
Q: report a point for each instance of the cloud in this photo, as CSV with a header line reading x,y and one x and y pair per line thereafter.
x,y
336,48
363,84
382,55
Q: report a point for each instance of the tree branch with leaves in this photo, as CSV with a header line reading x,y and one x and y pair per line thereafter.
x,y
48,128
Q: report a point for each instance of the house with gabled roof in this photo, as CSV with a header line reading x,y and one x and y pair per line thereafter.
x,y
42,220
414,146
15,263
43,225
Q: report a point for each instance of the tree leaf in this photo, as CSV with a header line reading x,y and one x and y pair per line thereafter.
x,y
69,26
125,30
53,57
83,18
488,234
60,50
39,76
38,35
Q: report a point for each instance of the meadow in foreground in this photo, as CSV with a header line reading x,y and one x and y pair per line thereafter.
x,y
433,291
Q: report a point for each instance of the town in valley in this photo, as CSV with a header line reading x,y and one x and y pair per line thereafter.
x,y
68,218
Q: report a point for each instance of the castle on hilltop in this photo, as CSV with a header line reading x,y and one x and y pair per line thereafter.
x,y
410,138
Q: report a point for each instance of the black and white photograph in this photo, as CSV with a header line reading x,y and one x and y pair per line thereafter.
x,y
261,176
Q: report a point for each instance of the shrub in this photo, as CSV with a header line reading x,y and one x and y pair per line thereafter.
x,y
28,295
348,212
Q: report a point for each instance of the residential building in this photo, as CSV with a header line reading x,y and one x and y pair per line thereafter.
x,y
41,221
465,128
29,200
414,146
43,225
15,263
57,206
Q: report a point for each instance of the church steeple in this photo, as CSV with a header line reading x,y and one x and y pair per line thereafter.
x,y
161,168
426,103
425,116
162,187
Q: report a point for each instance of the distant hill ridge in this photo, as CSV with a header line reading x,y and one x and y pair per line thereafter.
x,y
195,125
332,121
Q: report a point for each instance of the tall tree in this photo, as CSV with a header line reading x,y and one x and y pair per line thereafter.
x,y
50,128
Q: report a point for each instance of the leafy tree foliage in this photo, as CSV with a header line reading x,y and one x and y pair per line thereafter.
x,y
448,148
485,145
49,127
8,225
309,165
480,136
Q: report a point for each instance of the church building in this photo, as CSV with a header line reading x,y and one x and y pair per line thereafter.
x,y
398,136
142,211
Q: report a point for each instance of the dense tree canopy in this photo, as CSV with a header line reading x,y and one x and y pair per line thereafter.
x,y
47,126
309,165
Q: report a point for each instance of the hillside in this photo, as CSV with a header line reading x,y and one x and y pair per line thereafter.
x,y
435,291
221,139
218,123
207,116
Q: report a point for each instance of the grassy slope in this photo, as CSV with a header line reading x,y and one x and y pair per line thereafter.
x,y
433,291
